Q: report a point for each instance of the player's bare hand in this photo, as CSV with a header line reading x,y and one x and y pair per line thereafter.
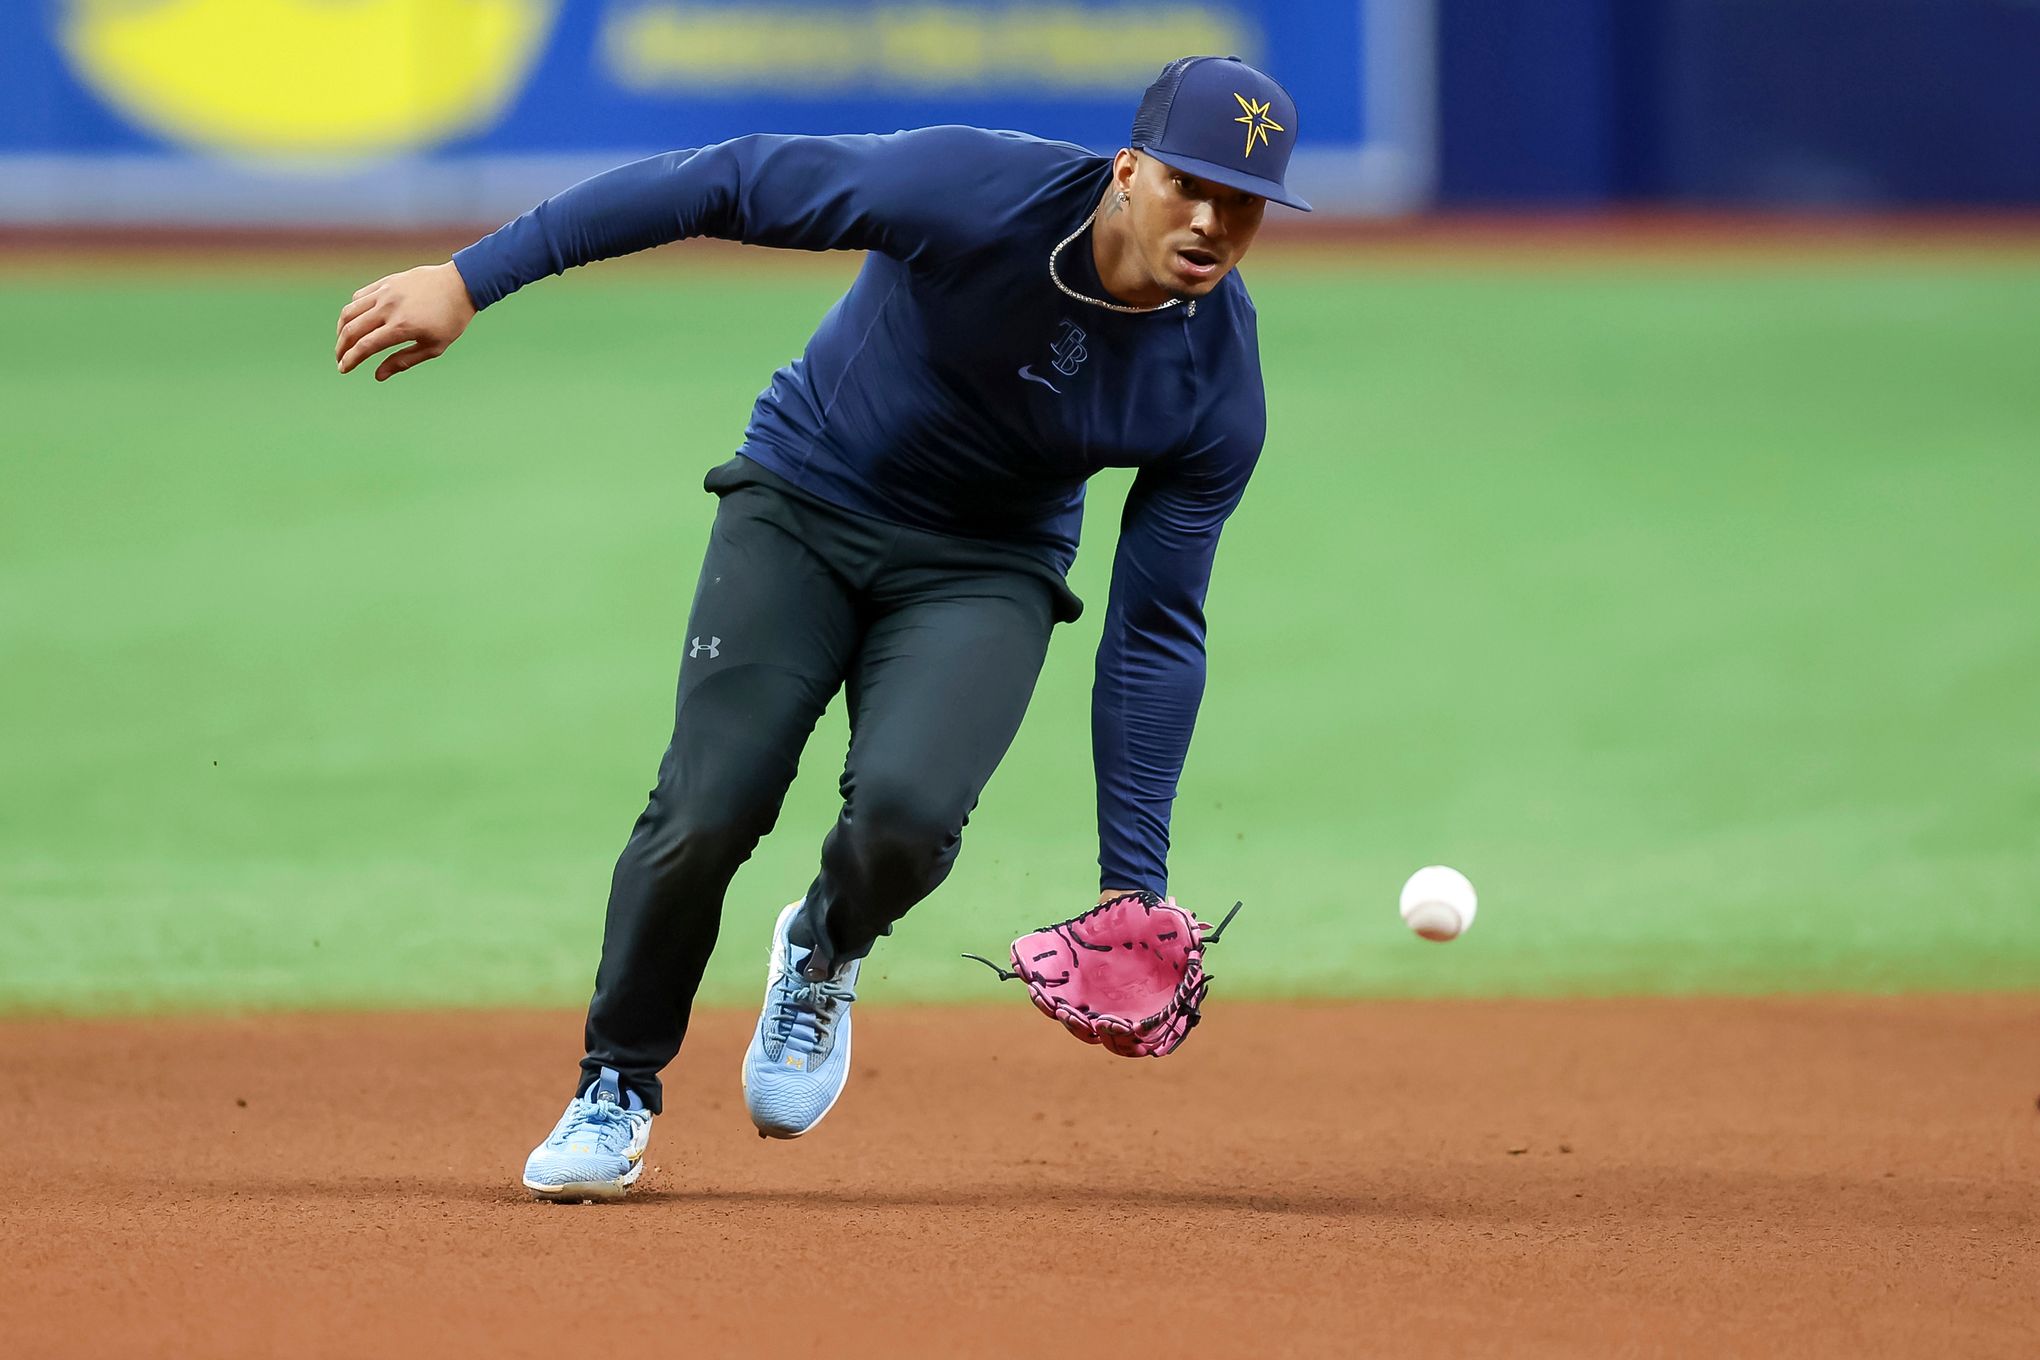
x,y
423,309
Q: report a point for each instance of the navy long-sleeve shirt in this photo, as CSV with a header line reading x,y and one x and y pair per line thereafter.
x,y
954,387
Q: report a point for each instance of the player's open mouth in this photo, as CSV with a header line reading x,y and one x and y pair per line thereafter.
x,y
1198,264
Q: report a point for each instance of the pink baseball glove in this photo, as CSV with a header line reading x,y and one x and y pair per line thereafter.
x,y
1128,974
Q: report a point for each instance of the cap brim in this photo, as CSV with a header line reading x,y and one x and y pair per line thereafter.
x,y
1229,177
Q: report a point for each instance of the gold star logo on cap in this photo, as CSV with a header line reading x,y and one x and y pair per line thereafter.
x,y
1259,124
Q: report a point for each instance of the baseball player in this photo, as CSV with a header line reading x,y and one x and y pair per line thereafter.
x,y
898,521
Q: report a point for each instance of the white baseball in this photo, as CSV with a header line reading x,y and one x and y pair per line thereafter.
x,y
1438,902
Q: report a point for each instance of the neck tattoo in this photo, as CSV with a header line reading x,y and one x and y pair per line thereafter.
x,y
1190,310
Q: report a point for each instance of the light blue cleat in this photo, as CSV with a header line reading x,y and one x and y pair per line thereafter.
x,y
597,1149
800,1055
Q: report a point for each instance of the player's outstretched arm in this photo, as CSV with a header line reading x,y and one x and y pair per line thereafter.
x,y
423,309
914,194
1150,671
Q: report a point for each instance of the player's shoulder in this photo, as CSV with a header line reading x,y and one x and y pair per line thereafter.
x,y
1002,142
1239,405
996,186
1243,295
999,154
1238,320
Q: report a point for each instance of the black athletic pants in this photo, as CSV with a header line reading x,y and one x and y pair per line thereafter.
x,y
939,640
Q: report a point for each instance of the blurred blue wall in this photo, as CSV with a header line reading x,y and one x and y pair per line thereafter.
x,y
392,112
1799,103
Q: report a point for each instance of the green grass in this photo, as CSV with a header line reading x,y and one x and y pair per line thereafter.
x,y
1691,611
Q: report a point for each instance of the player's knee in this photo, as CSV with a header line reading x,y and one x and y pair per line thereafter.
x,y
716,827
904,828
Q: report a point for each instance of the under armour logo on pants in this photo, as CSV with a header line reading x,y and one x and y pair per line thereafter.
x,y
712,647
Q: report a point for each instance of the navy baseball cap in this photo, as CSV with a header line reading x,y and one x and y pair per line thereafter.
x,y
1219,119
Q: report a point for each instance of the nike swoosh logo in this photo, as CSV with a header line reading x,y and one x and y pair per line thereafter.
x,y
1027,372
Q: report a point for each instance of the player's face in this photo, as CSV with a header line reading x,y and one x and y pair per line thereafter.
x,y
1191,232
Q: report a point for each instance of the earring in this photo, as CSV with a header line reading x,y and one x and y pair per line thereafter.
x,y
1122,198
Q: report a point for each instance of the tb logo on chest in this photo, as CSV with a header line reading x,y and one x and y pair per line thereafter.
x,y
1067,353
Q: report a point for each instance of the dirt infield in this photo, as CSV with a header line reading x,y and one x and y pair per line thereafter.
x,y
1808,1177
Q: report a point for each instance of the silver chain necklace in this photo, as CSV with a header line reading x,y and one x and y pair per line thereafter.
x,y
1099,302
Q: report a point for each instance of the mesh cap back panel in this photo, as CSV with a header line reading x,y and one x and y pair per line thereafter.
x,y
1153,114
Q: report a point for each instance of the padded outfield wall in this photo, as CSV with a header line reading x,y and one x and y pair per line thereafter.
x,y
1828,104
416,112
394,113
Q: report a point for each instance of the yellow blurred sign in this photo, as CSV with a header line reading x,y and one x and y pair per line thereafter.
x,y
306,77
